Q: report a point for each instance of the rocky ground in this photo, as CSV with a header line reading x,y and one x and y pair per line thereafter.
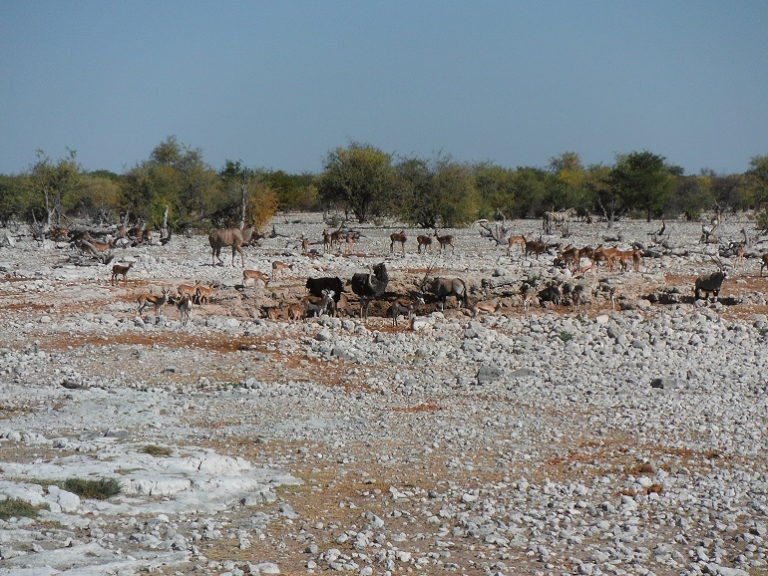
x,y
616,438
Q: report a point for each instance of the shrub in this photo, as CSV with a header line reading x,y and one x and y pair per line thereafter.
x,y
92,489
16,508
156,451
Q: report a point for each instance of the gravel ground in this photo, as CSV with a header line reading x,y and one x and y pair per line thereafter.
x,y
623,437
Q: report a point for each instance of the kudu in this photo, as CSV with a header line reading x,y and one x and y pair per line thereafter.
x,y
234,237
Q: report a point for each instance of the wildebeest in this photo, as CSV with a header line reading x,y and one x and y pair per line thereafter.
x,y
370,286
234,237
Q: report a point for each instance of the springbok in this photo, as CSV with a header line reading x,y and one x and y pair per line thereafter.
x,y
118,270
184,306
185,290
305,246
516,240
234,237
278,267
254,275
350,240
151,300
295,312
397,238
336,238
424,242
327,241
203,294
444,242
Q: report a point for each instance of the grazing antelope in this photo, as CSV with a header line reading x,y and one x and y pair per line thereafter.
x,y
118,270
184,306
445,241
278,267
399,308
607,255
151,300
254,275
533,247
341,306
203,294
295,312
305,246
399,238
403,307
270,312
529,297
516,240
424,242
91,245
488,307
186,291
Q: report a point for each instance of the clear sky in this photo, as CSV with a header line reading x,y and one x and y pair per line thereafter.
x,y
278,84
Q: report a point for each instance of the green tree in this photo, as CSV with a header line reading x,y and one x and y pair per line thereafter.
x,y
693,195
414,193
643,182
54,184
247,193
358,178
176,176
98,197
530,192
568,188
495,187
15,198
457,198
756,188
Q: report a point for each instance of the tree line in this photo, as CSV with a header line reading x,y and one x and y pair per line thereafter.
x,y
366,183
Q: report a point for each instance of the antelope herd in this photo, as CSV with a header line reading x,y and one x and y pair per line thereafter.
x,y
327,295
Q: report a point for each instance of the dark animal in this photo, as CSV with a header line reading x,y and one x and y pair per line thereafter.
x,y
710,283
316,286
229,237
551,294
370,286
533,247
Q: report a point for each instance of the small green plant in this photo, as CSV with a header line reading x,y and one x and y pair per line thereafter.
x,y
156,451
565,336
92,489
15,508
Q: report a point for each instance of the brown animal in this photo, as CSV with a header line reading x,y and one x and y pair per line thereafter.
x,y
278,267
764,262
350,240
445,241
336,238
203,294
234,237
516,240
397,238
254,275
59,234
327,241
185,290
606,255
88,243
270,312
295,312
424,242
118,270
534,247
151,300
305,246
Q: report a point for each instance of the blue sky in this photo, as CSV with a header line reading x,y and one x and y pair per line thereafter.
x,y
279,84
